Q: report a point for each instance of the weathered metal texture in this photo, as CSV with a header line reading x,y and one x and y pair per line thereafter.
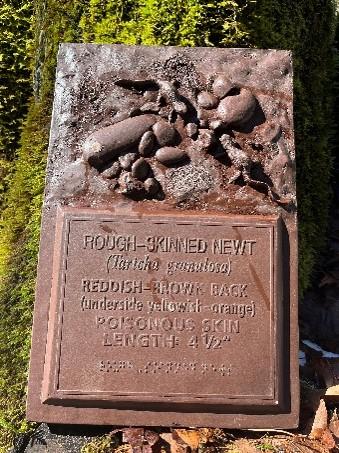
x,y
167,289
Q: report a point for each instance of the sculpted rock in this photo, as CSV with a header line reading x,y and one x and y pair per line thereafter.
x,y
151,186
107,143
127,160
207,100
147,143
130,185
112,171
237,110
221,86
192,129
141,169
206,139
165,133
170,155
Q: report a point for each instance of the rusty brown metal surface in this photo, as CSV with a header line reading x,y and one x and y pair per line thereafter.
x,y
167,284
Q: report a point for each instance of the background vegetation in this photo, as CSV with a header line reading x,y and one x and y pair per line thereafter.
x,y
29,37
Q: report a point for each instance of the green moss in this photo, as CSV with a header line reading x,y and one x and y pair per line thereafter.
x,y
104,444
18,258
305,26
165,22
15,83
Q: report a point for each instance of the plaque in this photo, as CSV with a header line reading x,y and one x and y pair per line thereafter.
x,y
167,276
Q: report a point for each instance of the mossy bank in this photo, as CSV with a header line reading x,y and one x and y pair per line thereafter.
x,y
30,35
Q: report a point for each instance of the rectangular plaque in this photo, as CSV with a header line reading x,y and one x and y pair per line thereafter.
x,y
163,297
167,283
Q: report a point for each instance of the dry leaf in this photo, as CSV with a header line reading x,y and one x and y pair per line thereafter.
x,y
334,424
320,421
176,447
133,436
190,437
244,446
320,430
151,437
146,449
301,444
140,440
207,435
327,439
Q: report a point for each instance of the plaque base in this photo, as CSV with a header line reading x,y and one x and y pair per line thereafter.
x,y
164,318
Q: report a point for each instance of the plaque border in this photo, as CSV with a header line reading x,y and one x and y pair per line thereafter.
x,y
51,392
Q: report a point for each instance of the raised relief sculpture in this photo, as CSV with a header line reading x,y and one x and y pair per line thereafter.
x,y
166,128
